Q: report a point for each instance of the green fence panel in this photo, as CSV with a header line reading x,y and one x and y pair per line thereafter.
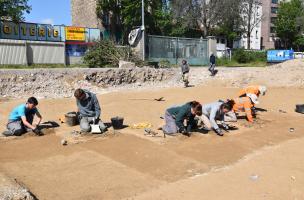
x,y
174,50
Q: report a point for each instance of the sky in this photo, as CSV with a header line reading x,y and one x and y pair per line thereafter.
x,y
55,12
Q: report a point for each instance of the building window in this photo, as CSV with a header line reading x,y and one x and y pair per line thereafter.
x,y
274,1
274,10
272,29
273,20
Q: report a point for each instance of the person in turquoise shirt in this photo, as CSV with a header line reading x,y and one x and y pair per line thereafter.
x,y
21,118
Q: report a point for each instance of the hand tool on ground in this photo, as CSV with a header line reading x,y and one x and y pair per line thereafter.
x,y
150,132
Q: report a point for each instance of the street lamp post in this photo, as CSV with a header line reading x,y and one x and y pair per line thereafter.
x,y
143,29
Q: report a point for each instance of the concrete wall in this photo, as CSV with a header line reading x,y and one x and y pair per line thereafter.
x,y
72,60
84,14
12,52
21,52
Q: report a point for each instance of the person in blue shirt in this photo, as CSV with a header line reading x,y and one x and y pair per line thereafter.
x,y
21,118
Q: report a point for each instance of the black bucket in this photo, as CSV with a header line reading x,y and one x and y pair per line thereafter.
x,y
117,122
71,119
300,108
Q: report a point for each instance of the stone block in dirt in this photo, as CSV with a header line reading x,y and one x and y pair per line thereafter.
x,y
126,65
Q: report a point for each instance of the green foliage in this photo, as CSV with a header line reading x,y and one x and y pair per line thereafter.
x,y
14,9
225,62
299,43
125,15
242,56
287,26
105,54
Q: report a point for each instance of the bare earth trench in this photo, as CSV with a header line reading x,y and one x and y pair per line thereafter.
x,y
260,161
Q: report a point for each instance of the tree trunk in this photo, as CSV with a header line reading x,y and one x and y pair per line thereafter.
x,y
248,40
249,26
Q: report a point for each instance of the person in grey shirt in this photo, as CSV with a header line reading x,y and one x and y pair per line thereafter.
x,y
185,72
89,110
213,112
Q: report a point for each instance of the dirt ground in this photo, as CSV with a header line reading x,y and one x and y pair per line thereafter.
x,y
260,161
263,160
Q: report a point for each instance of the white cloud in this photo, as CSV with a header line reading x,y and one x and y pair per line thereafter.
x,y
47,21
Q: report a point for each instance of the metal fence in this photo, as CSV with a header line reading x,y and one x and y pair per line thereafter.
x,y
174,50
22,52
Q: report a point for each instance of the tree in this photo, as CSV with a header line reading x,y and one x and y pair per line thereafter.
x,y
230,22
125,15
252,13
14,9
200,15
109,12
289,22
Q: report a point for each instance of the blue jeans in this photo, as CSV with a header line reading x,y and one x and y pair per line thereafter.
x,y
211,68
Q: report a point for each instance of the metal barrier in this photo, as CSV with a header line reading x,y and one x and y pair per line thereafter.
x,y
174,50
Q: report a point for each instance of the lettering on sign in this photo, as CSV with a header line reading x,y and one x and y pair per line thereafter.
x,y
75,33
29,31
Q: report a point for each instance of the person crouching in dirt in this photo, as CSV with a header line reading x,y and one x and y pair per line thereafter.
x,y
255,89
175,117
212,64
213,112
242,104
89,110
185,72
21,119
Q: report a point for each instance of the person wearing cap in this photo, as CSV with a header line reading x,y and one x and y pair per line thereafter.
x,y
254,89
21,119
89,110
242,104
212,64
185,72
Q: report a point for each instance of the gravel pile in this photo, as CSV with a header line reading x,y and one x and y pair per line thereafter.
x,y
11,190
58,83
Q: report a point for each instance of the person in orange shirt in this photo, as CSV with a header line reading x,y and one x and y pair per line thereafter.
x,y
256,89
242,104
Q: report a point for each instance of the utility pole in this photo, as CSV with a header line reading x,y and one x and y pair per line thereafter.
x,y
143,29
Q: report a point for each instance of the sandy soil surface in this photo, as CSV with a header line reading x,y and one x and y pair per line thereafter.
x,y
259,161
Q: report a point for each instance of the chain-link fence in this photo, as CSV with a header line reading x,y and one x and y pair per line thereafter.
x,y
174,50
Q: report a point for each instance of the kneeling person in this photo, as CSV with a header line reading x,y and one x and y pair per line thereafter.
x,y
215,112
175,117
242,104
89,110
21,118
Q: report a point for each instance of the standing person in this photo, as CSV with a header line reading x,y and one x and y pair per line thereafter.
x,y
89,110
212,64
185,72
21,119
213,112
242,104
175,117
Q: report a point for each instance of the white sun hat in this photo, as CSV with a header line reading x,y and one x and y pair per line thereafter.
x,y
253,98
263,89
